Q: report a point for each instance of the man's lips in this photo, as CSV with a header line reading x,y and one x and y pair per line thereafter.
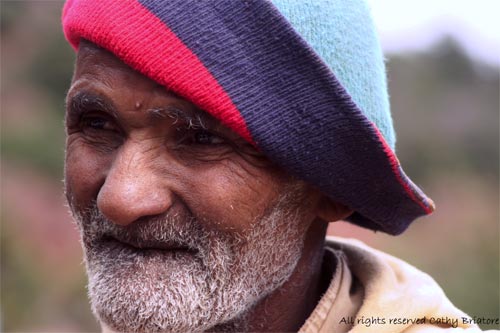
x,y
144,245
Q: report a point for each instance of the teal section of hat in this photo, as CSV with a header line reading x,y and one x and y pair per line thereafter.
x,y
343,35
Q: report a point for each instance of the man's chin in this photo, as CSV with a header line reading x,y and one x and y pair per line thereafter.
x,y
148,290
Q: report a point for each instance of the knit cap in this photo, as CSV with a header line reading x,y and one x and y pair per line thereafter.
x,y
304,82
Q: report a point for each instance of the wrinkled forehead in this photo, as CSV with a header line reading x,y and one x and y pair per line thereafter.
x,y
90,54
96,62
98,65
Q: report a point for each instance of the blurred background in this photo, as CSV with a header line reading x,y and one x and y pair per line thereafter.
x,y
443,69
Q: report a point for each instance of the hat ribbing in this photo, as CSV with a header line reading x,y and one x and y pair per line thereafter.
x,y
343,35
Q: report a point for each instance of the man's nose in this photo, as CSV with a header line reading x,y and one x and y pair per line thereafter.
x,y
132,189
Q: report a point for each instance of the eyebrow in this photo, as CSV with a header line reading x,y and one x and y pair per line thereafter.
x,y
85,101
193,121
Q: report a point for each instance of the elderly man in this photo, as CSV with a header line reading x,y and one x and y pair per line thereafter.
x,y
209,143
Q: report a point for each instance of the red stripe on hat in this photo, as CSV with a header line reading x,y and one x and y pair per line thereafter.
x,y
146,44
426,204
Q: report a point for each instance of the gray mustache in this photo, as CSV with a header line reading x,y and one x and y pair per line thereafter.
x,y
162,232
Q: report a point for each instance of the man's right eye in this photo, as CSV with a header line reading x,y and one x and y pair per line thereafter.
x,y
100,131
98,123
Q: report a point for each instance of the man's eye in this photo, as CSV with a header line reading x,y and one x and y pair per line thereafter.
x,y
207,138
98,123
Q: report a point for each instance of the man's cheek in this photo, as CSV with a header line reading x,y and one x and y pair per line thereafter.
x,y
233,199
85,172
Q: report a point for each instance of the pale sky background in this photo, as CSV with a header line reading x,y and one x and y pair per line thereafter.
x,y
417,24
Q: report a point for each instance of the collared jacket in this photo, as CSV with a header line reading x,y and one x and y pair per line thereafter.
x,y
372,291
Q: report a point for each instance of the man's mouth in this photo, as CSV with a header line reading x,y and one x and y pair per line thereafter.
x,y
145,246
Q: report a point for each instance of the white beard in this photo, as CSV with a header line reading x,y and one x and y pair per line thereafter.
x,y
225,275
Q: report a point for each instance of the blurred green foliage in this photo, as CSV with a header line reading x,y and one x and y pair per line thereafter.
x,y
16,271
41,148
51,70
446,107
43,71
9,14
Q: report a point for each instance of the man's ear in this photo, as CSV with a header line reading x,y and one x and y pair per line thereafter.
x,y
331,211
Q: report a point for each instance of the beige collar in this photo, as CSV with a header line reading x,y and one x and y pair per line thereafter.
x,y
341,300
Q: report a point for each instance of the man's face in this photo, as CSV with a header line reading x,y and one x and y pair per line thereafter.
x,y
183,223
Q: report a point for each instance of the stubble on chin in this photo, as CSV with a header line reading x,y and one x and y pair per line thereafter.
x,y
216,281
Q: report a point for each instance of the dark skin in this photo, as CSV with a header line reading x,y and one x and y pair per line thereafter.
x,y
139,150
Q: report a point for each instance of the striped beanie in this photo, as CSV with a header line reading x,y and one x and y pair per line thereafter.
x,y
304,82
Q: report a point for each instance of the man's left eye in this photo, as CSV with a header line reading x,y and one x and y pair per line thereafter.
x,y
207,138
